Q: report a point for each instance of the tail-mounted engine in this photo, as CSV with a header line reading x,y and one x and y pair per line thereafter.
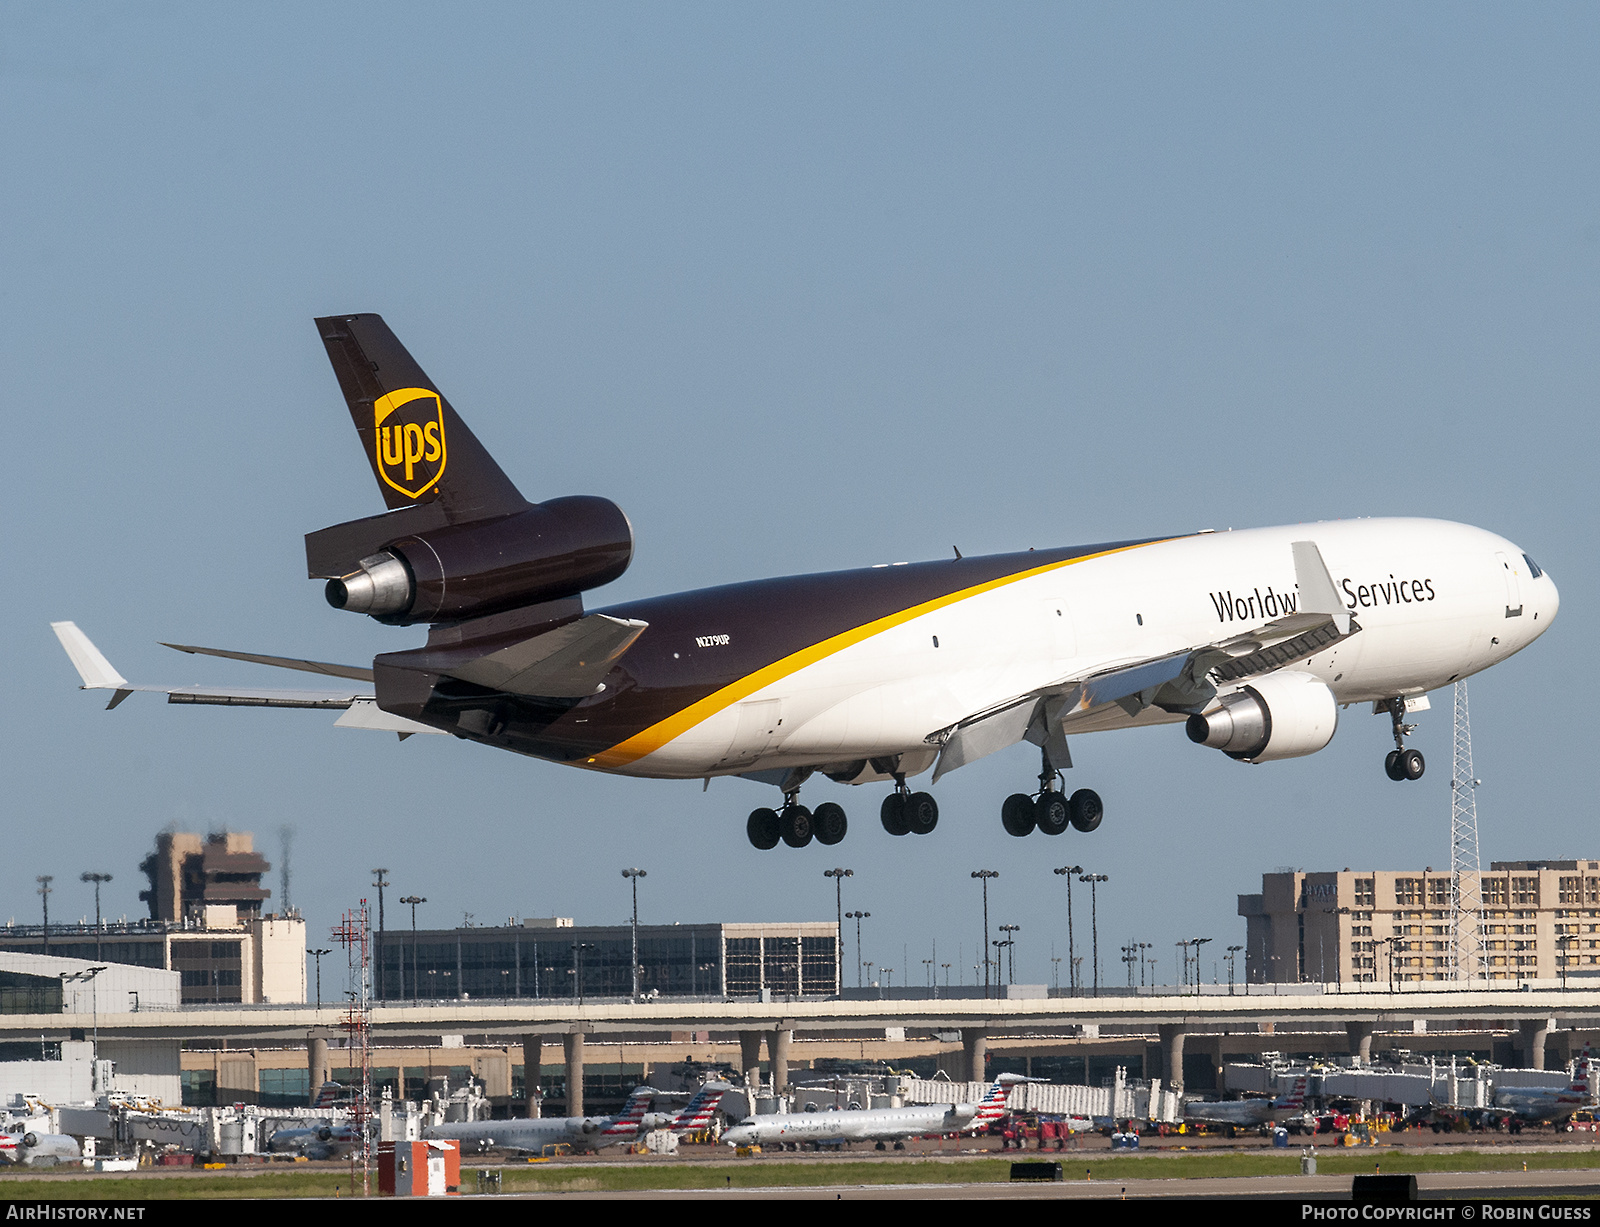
x,y
1280,715
548,551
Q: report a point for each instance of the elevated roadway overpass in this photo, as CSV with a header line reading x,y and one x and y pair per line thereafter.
x,y
1358,1010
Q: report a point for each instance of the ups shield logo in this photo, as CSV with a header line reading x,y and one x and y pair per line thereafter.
x,y
408,440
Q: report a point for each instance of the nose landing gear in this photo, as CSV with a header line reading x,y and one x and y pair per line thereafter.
x,y
1400,763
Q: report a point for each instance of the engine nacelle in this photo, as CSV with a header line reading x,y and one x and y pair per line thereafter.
x,y
1281,715
552,550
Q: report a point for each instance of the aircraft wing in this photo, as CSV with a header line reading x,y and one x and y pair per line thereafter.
x,y
358,704
1185,680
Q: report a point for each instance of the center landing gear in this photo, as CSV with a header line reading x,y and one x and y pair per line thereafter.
x,y
1401,763
908,813
795,825
1050,809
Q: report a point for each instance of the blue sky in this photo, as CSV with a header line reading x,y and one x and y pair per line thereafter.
x,y
800,288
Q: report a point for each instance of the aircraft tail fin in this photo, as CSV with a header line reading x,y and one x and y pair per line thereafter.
x,y
632,1114
1295,1097
993,1105
697,1113
421,452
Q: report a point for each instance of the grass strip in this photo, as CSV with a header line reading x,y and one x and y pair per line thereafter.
x,y
775,1173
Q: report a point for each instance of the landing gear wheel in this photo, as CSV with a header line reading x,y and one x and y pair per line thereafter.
x,y
829,822
893,815
1017,815
762,828
794,824
1391,765
1086,810
1412,765
922,813
1051,812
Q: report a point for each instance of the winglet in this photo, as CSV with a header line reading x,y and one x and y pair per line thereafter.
x,y
1317,592
92,666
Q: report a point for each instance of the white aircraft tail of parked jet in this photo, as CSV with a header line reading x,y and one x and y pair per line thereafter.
x,y
26,1146
873,1124
1253,640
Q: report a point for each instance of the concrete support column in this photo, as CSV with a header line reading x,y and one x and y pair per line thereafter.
x,y
750,1056
573,1043
1172,1037
1360,1034
778,1058
975,1048
316,1065
1535,1032
532,1059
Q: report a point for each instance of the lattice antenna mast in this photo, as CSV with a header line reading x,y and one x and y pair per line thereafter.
x,y
1466,913
355,933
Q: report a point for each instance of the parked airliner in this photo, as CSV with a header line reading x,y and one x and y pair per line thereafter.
x,y
1254,641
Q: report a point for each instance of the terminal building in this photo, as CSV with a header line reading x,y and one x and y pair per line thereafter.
x,y
1540,921
553,958
206,922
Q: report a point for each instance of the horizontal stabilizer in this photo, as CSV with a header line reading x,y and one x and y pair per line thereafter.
x,y
354,672
566,663
366,714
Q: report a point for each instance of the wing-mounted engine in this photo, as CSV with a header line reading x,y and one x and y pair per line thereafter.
x,y
1285,714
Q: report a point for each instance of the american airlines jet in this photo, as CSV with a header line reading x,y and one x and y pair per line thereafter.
x,y
1253,641
879,1125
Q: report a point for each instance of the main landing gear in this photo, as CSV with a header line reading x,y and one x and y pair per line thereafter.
x,y
1050,809
795,825
908,813
1401,763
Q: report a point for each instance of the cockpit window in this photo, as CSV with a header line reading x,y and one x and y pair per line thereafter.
x,y
1533,567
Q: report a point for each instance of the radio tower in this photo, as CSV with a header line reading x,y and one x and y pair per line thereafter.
x,y
1466,948
354,932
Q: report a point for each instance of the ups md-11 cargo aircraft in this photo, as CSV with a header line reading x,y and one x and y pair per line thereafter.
x,y
1253,640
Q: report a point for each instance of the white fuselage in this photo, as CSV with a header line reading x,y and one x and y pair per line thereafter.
x,y
857,1125
1436,601
533,1135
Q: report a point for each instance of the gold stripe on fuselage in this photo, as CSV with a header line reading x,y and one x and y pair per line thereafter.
x,y
649,740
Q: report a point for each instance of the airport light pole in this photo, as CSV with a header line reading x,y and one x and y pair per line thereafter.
x,y
317,955
44,881
1094,880
858,917
413,900
838,876
90,974
1066,871
96,878
381,881
1011,932
983,876
577,968
633,876
1128,959
1197,943
1141,947
946,967
1233,952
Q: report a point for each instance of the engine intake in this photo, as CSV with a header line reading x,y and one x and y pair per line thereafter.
x,y
552,550
1282,715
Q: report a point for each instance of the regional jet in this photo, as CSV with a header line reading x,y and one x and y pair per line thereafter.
x,y
1544,1103
1246,1113
880,1125
532,1135
1253,640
